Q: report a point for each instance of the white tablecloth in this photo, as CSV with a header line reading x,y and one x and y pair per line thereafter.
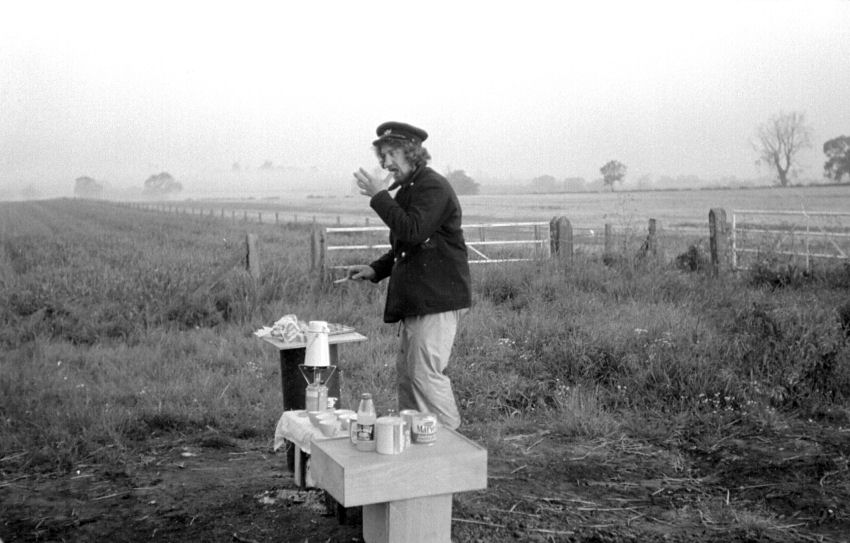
x,y
296,427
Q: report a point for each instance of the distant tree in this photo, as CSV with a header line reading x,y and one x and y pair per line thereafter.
x,y
236,167
267,165
462,183
161,184
837,151
779,140
612,172
86,187
544,183
574,184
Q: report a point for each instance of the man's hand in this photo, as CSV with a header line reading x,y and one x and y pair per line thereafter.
x,y
360,272
370,185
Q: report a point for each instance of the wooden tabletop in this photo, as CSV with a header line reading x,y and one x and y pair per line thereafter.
x,y
453,464
333,339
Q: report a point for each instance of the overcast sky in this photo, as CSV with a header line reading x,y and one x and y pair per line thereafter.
x,y
119,91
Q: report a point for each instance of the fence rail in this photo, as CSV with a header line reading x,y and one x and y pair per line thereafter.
x,y
732,245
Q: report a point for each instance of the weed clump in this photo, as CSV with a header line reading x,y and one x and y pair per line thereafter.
x,y
693,260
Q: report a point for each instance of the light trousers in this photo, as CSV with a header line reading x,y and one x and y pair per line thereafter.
x,y
426,345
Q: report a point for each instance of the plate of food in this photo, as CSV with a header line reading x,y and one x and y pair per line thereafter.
x,y
291,330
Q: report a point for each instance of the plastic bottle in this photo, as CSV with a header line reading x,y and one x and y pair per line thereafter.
x,y
366,416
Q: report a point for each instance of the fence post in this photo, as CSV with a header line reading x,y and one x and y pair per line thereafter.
x,y
649,247
651,239
253,255
317,250
609,242
561,239
536,240
718,239
808,260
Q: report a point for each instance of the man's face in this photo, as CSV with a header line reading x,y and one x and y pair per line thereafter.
x,y
393,160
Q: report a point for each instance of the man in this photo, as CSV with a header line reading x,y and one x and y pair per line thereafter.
x,y
427,264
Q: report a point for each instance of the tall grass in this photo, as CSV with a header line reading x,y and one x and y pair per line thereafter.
x,y
104,348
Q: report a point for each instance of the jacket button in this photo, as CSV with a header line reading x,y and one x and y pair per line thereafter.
x,y
403,254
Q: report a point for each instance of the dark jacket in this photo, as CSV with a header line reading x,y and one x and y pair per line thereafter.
x,y
427,264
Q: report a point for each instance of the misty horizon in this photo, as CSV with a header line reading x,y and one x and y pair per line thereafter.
x,y
120,93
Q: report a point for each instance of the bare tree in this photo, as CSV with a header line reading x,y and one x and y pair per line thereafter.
x,y
780,140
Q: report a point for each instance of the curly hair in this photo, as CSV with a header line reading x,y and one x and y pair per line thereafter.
x,y
413,151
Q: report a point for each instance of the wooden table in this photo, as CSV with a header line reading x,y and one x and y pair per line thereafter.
x,y
405,497
292,383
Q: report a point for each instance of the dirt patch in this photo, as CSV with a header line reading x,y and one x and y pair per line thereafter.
x,y
791,485
183,493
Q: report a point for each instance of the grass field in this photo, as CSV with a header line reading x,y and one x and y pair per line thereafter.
x,y
622,402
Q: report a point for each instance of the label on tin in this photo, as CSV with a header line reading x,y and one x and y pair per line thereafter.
x,y
424,430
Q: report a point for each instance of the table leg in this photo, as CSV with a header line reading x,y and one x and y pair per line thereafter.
x,y
418,520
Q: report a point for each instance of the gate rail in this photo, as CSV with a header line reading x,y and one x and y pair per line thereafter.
x,y
540,243
817,240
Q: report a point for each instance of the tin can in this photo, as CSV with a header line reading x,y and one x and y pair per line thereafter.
x,y
424,431
352,428
408,415
390,435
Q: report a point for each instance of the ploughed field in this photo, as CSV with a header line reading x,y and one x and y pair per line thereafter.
x,y
627,401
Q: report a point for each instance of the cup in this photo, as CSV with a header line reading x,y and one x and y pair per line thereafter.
x,y
389,435
325,416
328,426
314,417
